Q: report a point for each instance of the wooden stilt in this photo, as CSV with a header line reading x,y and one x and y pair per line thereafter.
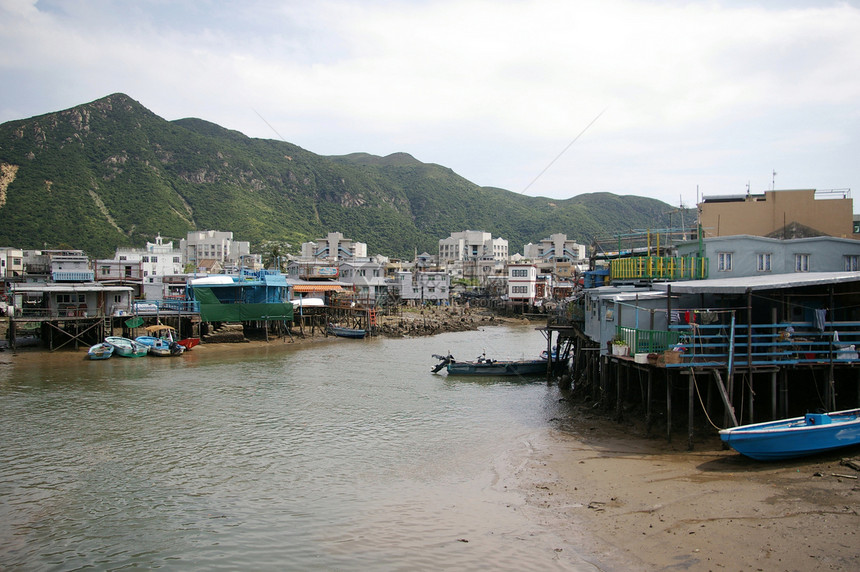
x,y
668,406
690,404
648,417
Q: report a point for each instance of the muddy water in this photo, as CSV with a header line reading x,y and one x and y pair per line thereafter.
x,y
348,455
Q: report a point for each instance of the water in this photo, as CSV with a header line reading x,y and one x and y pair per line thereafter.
x,y
346,455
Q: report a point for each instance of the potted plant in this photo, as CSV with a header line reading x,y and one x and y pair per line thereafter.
x,y
619,347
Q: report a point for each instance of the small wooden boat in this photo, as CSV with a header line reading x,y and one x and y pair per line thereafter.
x,y
484,366
797,437
342,332
100,351
125,347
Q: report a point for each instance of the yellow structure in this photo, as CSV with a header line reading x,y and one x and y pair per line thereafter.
x,y
828,212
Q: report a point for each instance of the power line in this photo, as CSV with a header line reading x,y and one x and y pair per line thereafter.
x,y
563,151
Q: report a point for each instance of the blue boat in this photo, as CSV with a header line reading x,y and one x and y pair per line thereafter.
x,y
100,351
160,347
797,437
342,332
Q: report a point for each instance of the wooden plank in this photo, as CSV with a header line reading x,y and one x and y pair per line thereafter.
x,y
729,409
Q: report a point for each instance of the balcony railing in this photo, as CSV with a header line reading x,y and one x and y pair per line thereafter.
x,y
66,311
659,268
153,307
73,276
794,343
646,341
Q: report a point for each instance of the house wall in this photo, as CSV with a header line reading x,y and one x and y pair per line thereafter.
x,y
433,286
11,263
825,254
522,282
763,214
608,307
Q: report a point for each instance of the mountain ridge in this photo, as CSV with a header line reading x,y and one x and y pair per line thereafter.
x,y
112,173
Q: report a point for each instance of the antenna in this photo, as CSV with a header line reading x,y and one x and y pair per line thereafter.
x,y
773,182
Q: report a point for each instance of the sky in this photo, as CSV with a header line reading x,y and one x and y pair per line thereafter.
x,y
672,100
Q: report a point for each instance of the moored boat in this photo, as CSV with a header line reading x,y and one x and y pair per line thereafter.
x,y
125,347
342,332
188,343
796,437
160,347
100,351
485,366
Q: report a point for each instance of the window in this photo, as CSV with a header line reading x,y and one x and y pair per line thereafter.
x,y
123,257
724,261
852,262
105,270
155,259
763,262
144,259
801,263
176,260
71,298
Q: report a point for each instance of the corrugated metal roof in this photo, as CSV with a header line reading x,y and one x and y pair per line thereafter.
x,y
759,282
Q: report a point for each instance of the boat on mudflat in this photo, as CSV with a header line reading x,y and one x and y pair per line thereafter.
x,y
342,332
485,366
796,437
125,347
100,351
160,347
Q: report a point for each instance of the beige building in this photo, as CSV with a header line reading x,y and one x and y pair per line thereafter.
x,y
805,211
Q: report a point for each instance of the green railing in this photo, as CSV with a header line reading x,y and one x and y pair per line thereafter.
x,y
659,268
646,341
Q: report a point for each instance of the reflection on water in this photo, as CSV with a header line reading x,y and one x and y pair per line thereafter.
x,y
346,455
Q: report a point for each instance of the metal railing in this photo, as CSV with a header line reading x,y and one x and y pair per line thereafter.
x,y
151,307
789,343
646,341
659,268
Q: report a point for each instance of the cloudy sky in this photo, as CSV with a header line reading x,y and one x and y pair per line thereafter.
x,y
554,98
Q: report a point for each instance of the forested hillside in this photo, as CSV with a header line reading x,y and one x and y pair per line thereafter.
x,y
111,173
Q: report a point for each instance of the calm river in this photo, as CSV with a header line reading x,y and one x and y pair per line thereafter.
x,y
346,455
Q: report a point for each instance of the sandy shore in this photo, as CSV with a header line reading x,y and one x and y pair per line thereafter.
x,y
636,502
641,503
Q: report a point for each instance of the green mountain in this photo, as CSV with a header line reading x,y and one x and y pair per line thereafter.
x,y
112,173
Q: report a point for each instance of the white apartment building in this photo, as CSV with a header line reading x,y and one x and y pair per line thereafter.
x,y
522,282
215,245
334,247
11,263
556,248
472,245
156,259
